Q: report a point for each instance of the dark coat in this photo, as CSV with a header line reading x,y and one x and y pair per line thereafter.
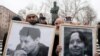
x,y
43,50
56,42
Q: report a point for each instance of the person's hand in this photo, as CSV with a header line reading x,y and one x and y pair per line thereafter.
x,y
97,54
20,53
59,48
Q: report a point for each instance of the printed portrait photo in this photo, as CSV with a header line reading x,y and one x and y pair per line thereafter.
x,y
77,41
28,40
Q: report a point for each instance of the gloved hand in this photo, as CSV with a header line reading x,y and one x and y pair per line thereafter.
x,y
20,53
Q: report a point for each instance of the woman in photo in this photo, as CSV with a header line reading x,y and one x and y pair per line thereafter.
x,y
75,44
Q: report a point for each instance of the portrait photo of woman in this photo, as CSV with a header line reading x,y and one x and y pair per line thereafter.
x,y
77,44
77,41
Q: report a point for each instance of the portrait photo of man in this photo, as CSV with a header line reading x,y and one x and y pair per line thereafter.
x,y
28,40
29,43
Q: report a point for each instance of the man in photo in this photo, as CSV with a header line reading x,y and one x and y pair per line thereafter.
x,y
29,43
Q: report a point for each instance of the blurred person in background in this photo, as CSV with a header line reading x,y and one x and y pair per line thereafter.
x,y
56,47
42,19
31,17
